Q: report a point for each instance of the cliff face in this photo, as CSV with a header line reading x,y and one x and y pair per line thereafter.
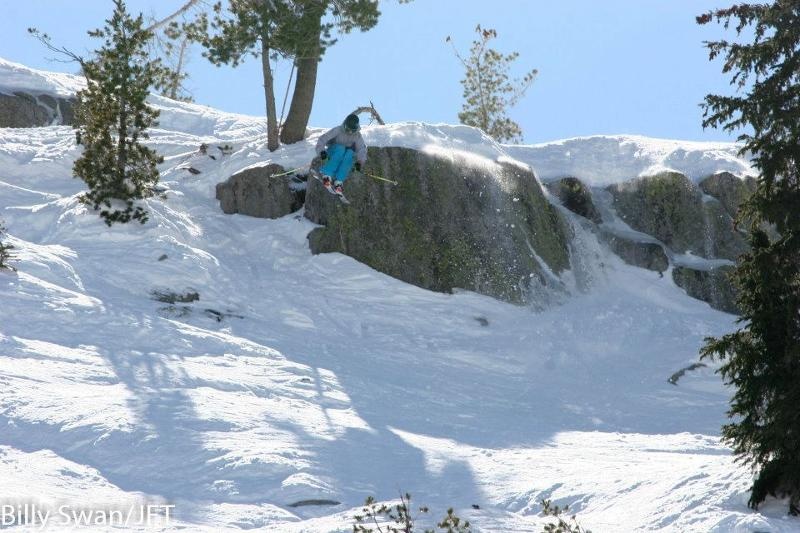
x,y
447,224
670,222
26,110
465,215
672,209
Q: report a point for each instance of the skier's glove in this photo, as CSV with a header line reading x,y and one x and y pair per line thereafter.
x,y
358,166
323,155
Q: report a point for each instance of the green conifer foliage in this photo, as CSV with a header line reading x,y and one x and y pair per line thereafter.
x,y
762,359
488,90
112,118
298,30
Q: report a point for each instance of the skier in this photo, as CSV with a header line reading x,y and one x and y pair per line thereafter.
x,y
337,148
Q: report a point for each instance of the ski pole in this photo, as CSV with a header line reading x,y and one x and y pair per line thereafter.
x,y
288,172
380,178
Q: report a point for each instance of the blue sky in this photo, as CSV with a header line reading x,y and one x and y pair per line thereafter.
x,y
606,67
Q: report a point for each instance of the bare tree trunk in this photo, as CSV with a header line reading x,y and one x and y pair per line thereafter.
x,y
176,82
269,96
294,129
183,9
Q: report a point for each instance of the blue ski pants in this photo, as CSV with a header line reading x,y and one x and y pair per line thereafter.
x,y
340,162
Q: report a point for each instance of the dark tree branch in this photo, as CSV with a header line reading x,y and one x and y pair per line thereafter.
x,y
48,43
372,111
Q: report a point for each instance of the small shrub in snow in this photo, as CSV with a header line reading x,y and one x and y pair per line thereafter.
x,y
562,526
5,250
398,518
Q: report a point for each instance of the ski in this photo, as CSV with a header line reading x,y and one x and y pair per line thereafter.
x,y
329,188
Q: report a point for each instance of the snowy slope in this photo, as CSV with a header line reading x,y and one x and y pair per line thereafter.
x,y
326,380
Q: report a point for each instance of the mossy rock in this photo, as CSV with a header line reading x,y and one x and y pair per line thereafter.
x,y
672,209
447,224
576,197
667,206
730,190
713,286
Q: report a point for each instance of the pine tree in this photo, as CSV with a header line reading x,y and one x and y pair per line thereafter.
x,y
247,27
762,359
112,118
488,91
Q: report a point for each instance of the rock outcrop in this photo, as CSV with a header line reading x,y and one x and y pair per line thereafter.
x,y
453,223
680,218
649,255
447,224
255,192
23,110
667,207
712,286
576,197
731,191
671,208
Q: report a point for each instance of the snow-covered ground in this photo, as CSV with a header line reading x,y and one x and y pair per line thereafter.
x,y
297,377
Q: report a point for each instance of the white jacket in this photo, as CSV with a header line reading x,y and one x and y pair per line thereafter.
x,y
338,135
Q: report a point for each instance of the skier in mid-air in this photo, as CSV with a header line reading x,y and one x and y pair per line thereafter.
x,y
340,149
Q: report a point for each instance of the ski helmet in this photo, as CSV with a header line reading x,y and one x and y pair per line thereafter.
x,y
351,123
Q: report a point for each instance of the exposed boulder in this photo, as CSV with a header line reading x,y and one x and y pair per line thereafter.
x,y
576,197
23,110
669,207
712,286
255,192
730,190
649,255
20,110
447,224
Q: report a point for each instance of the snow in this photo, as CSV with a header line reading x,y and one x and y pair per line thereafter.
x,y
17,77
603,160
327,380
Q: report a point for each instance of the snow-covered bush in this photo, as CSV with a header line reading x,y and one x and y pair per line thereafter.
x,y
561,526
399,518
5,250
